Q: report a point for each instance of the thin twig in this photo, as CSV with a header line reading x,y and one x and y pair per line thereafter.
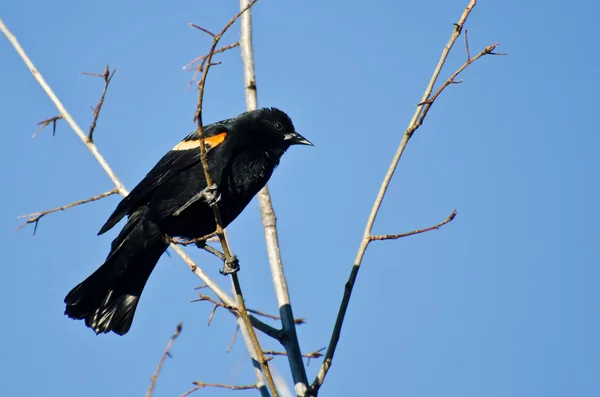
x,y
166,353
288,335
107,76
203,57
451,80
271,316
418,231
201,385
233,338
35,217
202,239
202,60
467,45
415,122
44,123
202,297
315,354
212,313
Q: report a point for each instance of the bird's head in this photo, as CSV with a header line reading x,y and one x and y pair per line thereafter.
x,y
273,127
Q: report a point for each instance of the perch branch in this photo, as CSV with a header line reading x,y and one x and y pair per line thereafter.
x,y
290,338
167,353
231,265
415,122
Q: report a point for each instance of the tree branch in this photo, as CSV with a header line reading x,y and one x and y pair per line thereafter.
x,y
44,123
231,264
315,354
201,385
202,297
63,111
418,231
417,119
289,338
107,76
202,60
263,314
167,353
35,217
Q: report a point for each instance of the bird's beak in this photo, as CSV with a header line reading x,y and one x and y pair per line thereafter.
x,y
296,139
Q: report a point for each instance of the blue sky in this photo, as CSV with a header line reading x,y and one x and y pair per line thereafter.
x,y
501,302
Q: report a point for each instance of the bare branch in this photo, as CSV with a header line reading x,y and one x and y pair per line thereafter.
x,y
288,336
263,314
62,110
416,121
451,80
202,239
230,264
418,231
203,57
36,216
202,60
44,123
107,76
234,310
467,46
201,385
212,313
166,353
233,338
202,297
211,34
315,354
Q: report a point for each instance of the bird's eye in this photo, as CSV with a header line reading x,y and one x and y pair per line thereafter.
x,y
278,126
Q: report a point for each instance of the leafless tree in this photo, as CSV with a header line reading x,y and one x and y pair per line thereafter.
x,y
248,320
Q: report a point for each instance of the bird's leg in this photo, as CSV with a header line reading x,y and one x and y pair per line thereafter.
x,y
230,266
209,249
209,194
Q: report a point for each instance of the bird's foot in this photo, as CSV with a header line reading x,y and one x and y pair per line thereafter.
x,y
209,195
230,266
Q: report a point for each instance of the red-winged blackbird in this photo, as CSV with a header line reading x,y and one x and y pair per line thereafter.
x,y
242,154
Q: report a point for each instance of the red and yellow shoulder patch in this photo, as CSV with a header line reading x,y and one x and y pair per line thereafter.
x,y
210,142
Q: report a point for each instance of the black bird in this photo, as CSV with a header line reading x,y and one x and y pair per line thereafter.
x,y
242,153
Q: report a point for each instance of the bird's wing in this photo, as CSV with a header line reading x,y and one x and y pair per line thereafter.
x,y
184,155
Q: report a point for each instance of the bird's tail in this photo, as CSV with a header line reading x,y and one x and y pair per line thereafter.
x,y
107,299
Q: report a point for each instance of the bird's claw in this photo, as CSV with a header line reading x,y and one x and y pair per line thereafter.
x,y
211,195
230,266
